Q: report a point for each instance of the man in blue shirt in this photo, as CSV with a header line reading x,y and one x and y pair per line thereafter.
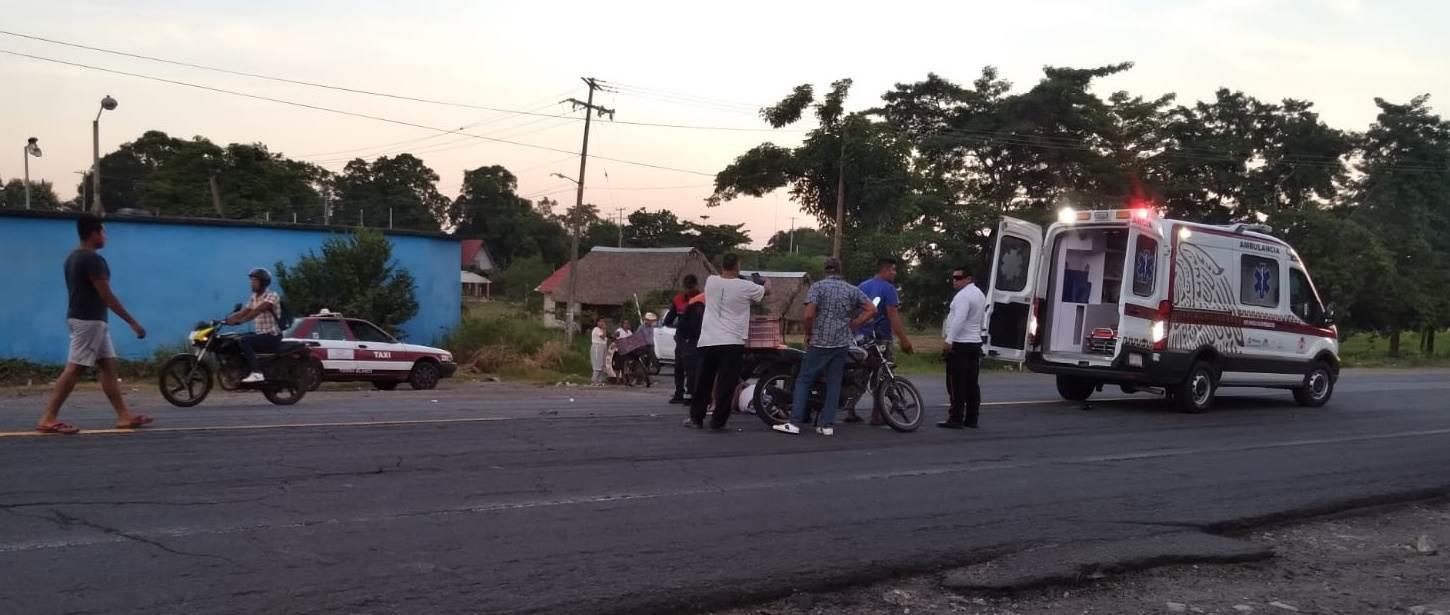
x,y
887,321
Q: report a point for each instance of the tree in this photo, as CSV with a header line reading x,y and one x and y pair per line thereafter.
x,y
870,158
806,241
355,275
42,195
401,185
170,176
489,208
714,240
1402,194
658,229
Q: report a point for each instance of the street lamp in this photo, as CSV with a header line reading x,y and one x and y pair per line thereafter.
x,y
32,148
569,315
107,104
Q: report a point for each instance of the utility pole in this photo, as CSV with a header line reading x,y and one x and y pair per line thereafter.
x,y
792,235
840,196
620,211
327,208
589,110
216,197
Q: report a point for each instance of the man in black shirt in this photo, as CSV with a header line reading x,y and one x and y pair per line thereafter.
x,y
88,282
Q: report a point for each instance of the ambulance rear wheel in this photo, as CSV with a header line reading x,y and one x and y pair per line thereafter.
x,y
1075,389
1196,393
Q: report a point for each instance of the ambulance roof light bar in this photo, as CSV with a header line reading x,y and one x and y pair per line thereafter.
x,y
1068,215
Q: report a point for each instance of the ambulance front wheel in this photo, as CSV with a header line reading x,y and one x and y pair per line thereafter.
x,y
1318,386
1073,388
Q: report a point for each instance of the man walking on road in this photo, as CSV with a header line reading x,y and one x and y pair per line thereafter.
x,y
886,322
963,350
723,332
88,282
830,306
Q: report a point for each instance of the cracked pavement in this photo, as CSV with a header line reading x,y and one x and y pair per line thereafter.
x,y
513,499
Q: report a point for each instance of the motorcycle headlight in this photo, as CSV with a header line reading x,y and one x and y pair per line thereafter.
x,y
200,335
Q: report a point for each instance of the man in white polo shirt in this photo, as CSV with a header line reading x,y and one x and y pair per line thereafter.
x,y
963,349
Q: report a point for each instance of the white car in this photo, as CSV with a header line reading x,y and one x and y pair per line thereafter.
x,y
352,349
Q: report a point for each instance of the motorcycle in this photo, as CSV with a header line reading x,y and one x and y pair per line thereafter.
x,y
634,360
867,374
186,378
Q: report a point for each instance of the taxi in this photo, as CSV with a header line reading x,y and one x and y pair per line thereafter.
x,y
355,350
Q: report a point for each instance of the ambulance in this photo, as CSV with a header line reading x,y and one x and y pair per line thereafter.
x,y
1129,299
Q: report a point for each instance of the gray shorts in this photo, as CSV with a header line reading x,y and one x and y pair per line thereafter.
x,y
90,340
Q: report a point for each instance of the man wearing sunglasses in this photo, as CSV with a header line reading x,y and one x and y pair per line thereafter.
x,y
963,350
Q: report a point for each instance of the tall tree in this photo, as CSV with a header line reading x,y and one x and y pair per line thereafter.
x,y
401,185
489,208
1403,194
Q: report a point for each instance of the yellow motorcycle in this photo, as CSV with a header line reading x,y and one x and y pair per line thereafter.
x,y
186,378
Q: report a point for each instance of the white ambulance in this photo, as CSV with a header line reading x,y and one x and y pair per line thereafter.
x,y
1124,297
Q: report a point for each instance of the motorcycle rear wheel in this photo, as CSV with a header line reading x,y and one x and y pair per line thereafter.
x,y
901,404
185,381
772,399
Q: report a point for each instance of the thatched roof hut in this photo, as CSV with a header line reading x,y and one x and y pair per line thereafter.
x,y
787,298
614,276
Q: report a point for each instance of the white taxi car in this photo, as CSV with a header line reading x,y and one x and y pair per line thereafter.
x,y
351,349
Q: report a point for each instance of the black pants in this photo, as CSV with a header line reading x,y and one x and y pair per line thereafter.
x,y
718,376
964,364
686,364
253,343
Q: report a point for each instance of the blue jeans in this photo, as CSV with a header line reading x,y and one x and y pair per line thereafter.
x,y
832,362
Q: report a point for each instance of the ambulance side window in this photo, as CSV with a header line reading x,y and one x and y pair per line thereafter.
x,y
1145,266
1012,264
1259,282
1302,300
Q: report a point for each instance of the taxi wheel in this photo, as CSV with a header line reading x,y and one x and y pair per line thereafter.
x,y
424,376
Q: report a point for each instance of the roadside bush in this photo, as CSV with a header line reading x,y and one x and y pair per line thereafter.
x,y
512,342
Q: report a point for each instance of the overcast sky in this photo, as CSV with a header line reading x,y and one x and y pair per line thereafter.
x,y
701,64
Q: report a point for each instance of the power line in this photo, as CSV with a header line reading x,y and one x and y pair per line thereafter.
x,y
481,122
351,90
375,118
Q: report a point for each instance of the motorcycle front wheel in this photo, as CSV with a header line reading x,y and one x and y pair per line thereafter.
x,y
185,381
901,405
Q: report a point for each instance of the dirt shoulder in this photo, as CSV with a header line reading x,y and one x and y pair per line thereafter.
x,y
1353,565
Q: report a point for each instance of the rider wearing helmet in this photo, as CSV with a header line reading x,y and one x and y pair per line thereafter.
x,y
264,307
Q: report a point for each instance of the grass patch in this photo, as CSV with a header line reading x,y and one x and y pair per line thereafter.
x,y
19,372
505,340
1370,350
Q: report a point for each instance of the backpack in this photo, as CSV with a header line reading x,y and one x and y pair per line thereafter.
x,y
283,314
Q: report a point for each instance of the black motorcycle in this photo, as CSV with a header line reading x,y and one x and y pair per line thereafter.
x,y
186,378
867,374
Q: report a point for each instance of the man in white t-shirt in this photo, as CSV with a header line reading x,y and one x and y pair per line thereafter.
x,y
721,346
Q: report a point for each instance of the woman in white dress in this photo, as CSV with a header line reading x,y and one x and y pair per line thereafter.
x,y
598,344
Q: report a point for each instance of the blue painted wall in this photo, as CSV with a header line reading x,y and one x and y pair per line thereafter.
x,y
171,275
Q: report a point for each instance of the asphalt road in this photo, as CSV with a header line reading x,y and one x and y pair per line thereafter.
x,y
516,499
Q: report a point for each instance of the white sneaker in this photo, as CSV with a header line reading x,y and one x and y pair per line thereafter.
x,y
253,378
826,431
787,428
